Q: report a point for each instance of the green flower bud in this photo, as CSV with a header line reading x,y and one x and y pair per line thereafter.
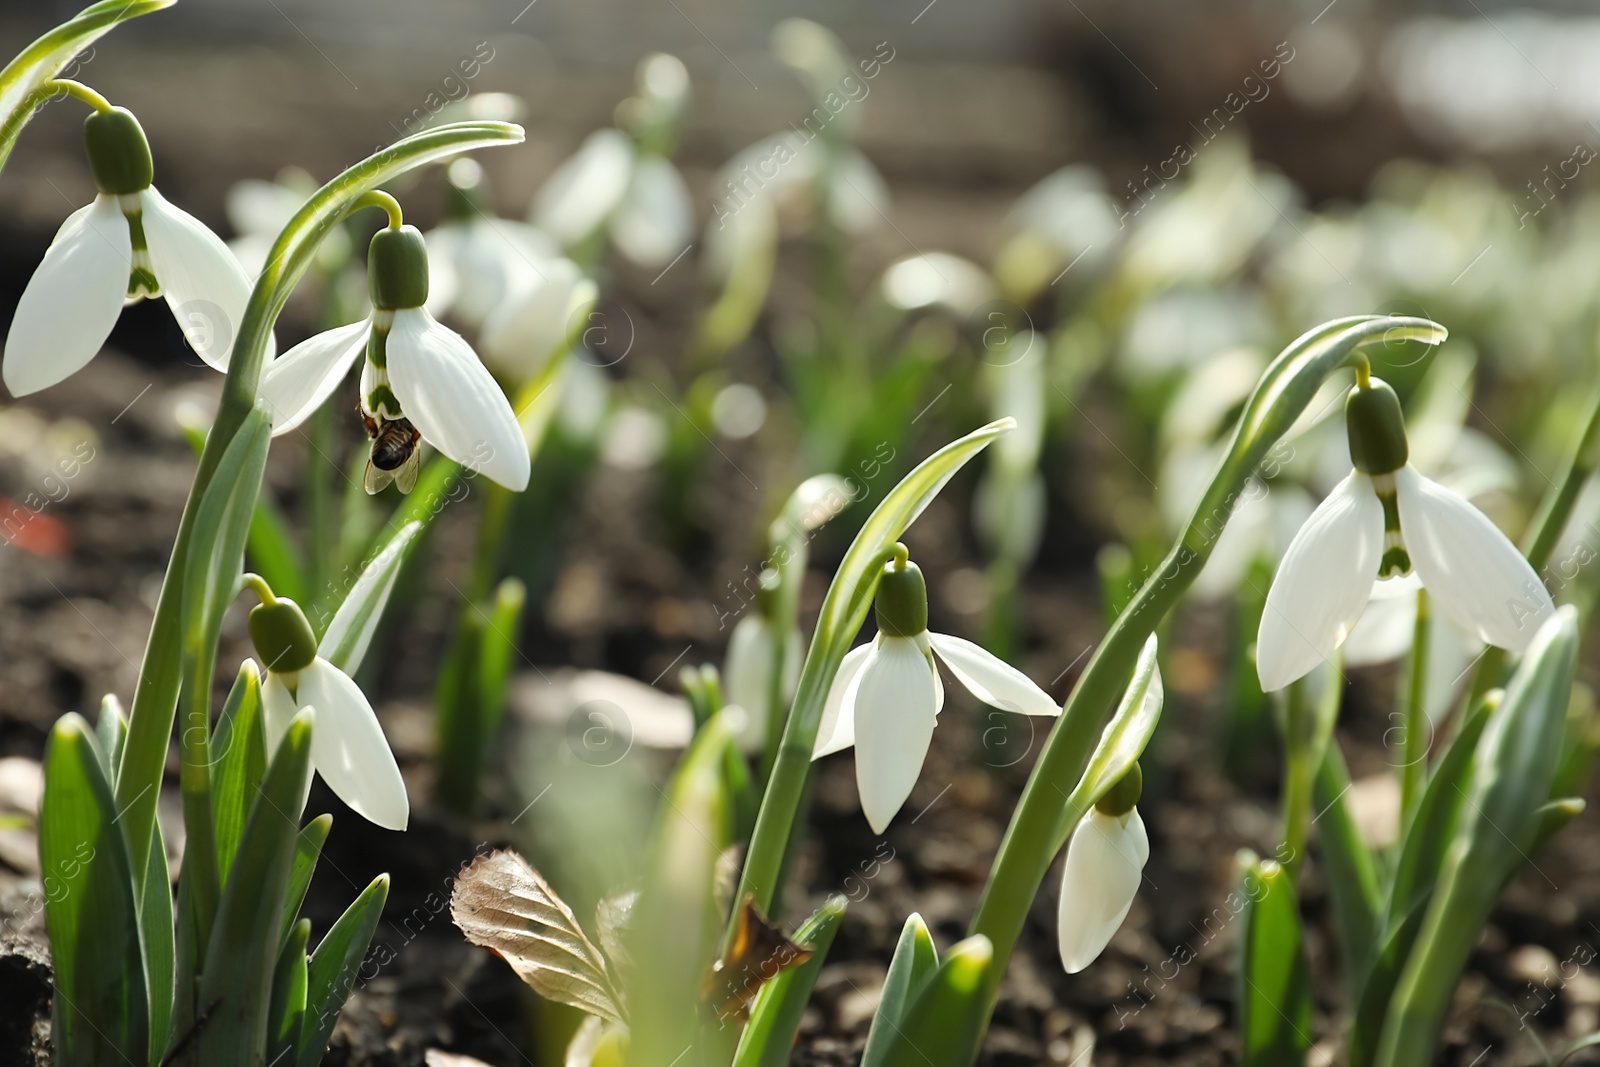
x,y
1377,428
767,592
119,154
397,269
902,605
1120,798
283,638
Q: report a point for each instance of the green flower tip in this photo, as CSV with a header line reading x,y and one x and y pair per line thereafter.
x,y
1120,798
283,638
119,153
902,605
1377,428
397,268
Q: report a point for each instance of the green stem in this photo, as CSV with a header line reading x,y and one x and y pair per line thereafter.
x,y
1416,731
1285,390
379,199
258,585
1299,772
67,87
155,696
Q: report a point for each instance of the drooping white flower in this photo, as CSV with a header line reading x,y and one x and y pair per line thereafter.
x,y
419,377
130,243
1105,863
348,747
611,182
475,260
886,698
538,316
1386,520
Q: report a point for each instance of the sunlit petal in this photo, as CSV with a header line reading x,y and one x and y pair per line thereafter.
x,y
1322,584
991,679
348,747
296,383
1105,863
894,721
203,283
837,731
72,300
1472,571
450,396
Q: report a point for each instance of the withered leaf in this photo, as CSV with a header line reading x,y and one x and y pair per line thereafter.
x,y
611,918
759,952
503,904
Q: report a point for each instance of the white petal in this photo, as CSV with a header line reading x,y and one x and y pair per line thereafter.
x,y
1385,628
203,283
297,382
278,709
894,720
1472,571
536,317
72,300
585,189
451,397
1105,863
991,679
348,747
837,731
1322,584
656,219
474,265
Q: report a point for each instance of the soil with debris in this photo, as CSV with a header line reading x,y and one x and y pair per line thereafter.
x,y
78,592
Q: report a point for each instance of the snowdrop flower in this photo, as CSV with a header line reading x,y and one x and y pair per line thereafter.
x,y
419,381
127,245
752,655
1382,522
347,745
475,260
886,698
624,184
540,315
1105,863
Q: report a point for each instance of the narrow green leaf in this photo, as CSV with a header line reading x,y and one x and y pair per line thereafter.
x,y
240,751
110,730
775,1012
1382,974
158,947
914,963
221,526
1352,873
1121,742
286,1015
945,1022
45,58
1552,817
236,981
1274,994
307,850
349,633
101,1009
335,967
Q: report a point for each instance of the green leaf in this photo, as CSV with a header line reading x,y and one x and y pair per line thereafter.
x,y
236,981
110,730
307,850
222,523
945,1022
1514,767
335,967
101,1012
1382,974
286,1015
240,749
497,646
1350,869
1122,741
775,1012
1274,994
45,58
915,962
349,634
844,609
157,939
672,933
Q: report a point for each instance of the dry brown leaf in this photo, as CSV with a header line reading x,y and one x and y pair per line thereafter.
x,y
503,904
